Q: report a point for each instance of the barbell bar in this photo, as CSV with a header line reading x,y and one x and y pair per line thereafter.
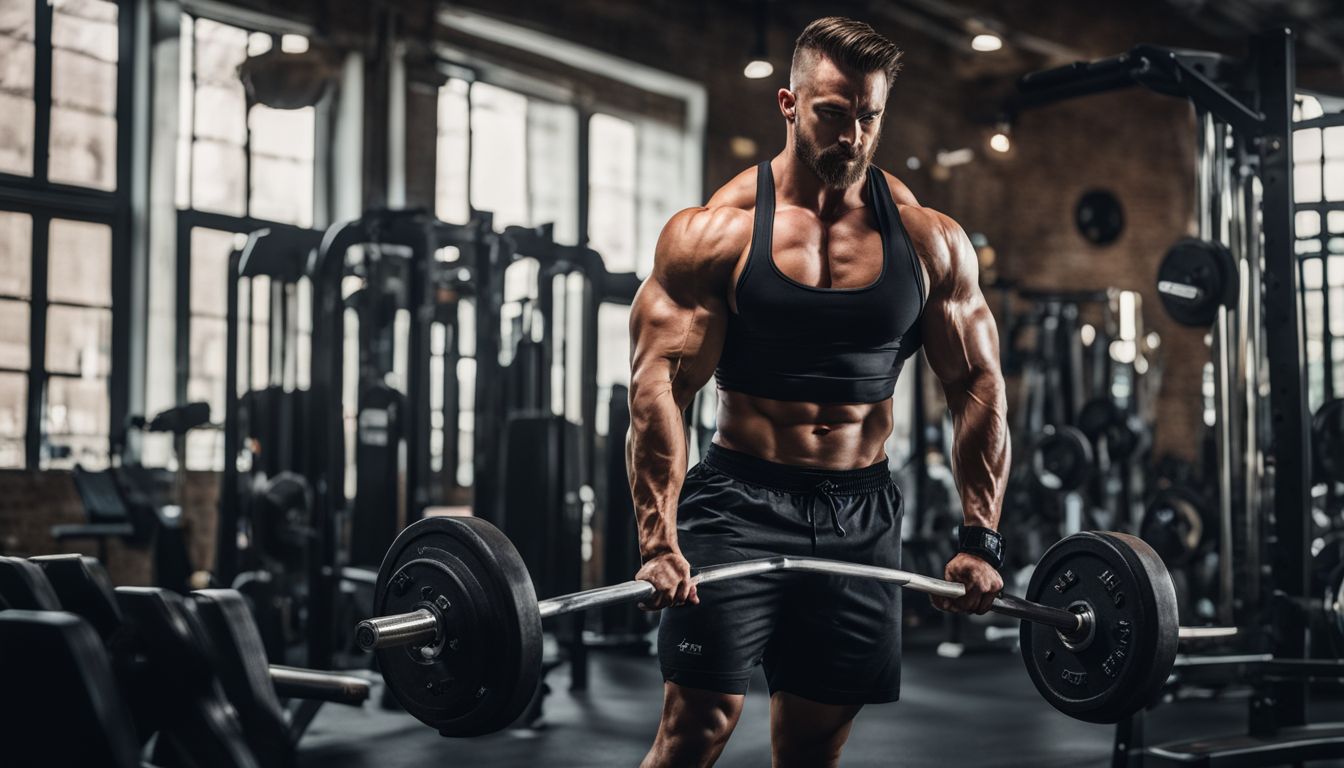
x,y
457,631
421,626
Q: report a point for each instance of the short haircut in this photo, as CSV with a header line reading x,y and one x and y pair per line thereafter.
x,y
851,44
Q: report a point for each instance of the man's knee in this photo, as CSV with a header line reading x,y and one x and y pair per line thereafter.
x,y
808,733
695,725
692,711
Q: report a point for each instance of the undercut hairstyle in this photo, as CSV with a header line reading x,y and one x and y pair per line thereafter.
x,y
851,44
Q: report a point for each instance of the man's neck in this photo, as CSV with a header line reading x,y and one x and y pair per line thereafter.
x,y
797,184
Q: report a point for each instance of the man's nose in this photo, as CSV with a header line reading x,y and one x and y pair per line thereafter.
x,y
852,134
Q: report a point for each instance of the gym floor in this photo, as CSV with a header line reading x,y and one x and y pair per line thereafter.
x,y
978,710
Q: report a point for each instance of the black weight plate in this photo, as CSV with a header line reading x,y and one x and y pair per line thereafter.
x,y
1127,657
1173,524
1099,216
1167,628
1194,279
1061,459
1101,418
482,670
1327,441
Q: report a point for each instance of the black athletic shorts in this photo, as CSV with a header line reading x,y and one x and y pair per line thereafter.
x,y
831,639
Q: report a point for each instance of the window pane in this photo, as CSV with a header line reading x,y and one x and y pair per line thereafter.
x,y
611,212
14,335
220,113
282,190
83,82
16,87
1334,180
185,110
452,155
16,65
217,178
76,416
205,450
1334,142
662,189
553,167
206,382
79,260
210,250
83,148
1307,183
220,48
16,134
498,157
79,341
613,355
87,26
16,19
16,254
13,418
282,132
1307,146
1307,224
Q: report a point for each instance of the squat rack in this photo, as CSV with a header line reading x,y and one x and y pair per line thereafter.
x,y
1249,106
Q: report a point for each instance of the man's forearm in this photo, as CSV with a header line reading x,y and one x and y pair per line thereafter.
x,y
981,452
656,462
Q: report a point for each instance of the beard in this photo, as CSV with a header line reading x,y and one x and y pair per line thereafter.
x,y
835,166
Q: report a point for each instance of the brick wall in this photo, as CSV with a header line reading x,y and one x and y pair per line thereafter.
x,y
32,502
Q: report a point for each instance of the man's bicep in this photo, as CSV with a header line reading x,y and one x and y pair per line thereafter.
x,y
961,339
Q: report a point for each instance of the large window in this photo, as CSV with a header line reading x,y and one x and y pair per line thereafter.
x,y
62,257
239,168
517,155
233,160
1318,191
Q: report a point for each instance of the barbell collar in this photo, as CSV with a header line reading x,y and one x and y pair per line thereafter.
x,y
419,627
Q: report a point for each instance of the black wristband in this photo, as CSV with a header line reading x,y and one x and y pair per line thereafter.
x,y
984,543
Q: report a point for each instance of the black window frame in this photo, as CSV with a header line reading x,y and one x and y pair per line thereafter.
x,y
44,200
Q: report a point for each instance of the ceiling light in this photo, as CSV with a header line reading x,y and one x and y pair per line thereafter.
x,y
758,68
986,43
999,142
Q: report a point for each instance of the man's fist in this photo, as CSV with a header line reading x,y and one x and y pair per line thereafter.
x,y
982,582
670,575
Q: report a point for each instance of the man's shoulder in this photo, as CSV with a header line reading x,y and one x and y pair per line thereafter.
x,y
938,240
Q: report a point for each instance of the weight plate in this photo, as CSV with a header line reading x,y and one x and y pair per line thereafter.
x,y
1123,663
479,674
1173,524
1194,279
1101,418
1061,459
1327,441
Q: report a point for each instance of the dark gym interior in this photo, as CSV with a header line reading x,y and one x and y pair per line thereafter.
x,y
324,342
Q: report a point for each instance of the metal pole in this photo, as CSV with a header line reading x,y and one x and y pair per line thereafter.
x,y
1207,206
1286,703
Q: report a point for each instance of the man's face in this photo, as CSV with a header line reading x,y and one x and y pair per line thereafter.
x,y
837,119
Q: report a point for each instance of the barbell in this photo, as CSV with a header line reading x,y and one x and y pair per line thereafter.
x,y
458,636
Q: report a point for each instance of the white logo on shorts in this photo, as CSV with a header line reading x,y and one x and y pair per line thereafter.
x,y
693,649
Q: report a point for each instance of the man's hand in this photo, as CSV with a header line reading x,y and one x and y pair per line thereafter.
x,y
983,584
670,575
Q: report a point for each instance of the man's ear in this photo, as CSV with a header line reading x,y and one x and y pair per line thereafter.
x,y
788,103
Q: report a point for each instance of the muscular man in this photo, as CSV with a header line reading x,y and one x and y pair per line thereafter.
x,y
803,286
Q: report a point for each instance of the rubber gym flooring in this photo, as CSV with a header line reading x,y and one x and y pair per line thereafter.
x,y
979,710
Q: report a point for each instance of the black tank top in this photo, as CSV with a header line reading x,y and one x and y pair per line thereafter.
x,y
789,341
